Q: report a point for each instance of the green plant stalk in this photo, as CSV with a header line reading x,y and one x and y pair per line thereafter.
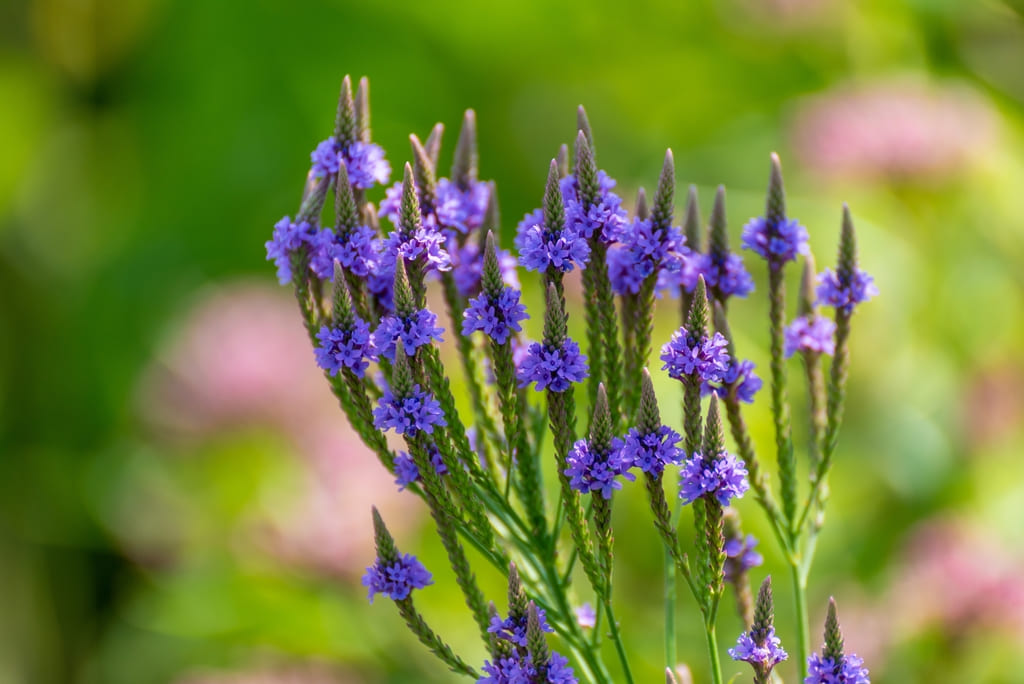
x,y
670,609
614,628
799,576
712,642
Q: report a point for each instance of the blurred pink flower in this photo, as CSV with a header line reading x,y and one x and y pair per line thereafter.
x,y
892,129
952,577
241,357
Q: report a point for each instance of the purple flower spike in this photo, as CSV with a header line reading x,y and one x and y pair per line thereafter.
x,y
406,471
396,580
514,629
553,368
415,330
777,243
763,657
426,242
833,290
642,252
288,237
740,556
813,334
498,319
408,416
595,470
364,162
652,452
740,373
540,249
706,358
468,267
849,670
460,210
350,348
729,276
724,477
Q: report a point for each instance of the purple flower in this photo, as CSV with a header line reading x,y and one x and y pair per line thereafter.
x,y
425,242
415,330
498,318
845,291
762,656
364,162
740,556
391,205
605,218
706,358
811,333
554,368
513,629
461,210
597,470
585,616
355,251
519,669
381,280
644,251
396,579
350,347
418,411
723,477
288,237
406,471
728,275
848,670
740,373
777,243
653,451
540,249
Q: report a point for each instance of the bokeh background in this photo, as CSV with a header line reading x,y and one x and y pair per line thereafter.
x,y
181,502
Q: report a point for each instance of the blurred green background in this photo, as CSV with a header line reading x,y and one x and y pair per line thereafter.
x,y
179,499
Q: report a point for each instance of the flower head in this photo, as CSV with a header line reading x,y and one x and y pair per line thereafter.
x,y
604,219
406,471
811,333
513,629
425,242
585,616
553,368
844,293
415,330
763,656
848,670
652,452
727,275
288,236
740,556
496,317
461,210
355,251
597,470
468,267
518,668
345,347
777,242
364,162
644,251
563,250
706,358
409,415
739,373
722,476
396,579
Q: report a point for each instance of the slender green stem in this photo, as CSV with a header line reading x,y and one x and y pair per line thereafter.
x,y
614,627
670,609
803,629
712,640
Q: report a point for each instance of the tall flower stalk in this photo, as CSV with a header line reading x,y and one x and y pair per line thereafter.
x,y
478,461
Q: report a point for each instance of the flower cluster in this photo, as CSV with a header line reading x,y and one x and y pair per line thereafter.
x,y
812,334
643,251
288,236
346,347
706,358
848,670
553,368
419,411
414,330
461,210
406,471
740,556
775,241
765,655
604,219
356,251
541,249
722,476
513,628
653,451
728,276
739,374
396,579
425,242
519,669
496,317
468,267
592,469
844,293
364,162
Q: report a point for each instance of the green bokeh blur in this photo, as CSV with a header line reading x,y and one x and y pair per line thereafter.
x,y
148,146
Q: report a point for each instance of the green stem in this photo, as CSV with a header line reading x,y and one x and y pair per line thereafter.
x,y
712,640
670,609
614,627
803,628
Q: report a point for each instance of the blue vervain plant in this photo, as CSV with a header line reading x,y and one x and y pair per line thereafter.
x,y
362,293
